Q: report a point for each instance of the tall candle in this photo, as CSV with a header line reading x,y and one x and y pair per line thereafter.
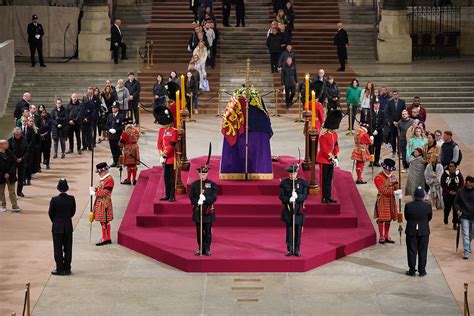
x,y
183,98
178,114
313,109
306,103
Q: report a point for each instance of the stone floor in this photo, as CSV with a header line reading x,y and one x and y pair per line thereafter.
x,y
116,281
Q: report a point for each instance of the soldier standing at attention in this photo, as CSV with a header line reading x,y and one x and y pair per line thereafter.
x,y
35,39
293,193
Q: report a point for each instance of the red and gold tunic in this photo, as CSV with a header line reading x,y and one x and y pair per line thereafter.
x,y
327,144
361,150
167,140
386,206
129,143
103,199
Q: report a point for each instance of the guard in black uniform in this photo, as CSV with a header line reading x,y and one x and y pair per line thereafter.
x,y
61,210
418,215
115,128
35,39
293,196
226,7
205,197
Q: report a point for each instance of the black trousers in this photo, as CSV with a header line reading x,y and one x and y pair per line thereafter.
x,y
342,56
226,15
21,171
328,172
393,138
115,149
274,57
448,205
86,135
364,113
33,48
212,58
195,13
240,20
290,92
115,52
169,180
57,141
377,146
403,149
206,235
62,251
46,150
133,106
74,130
417,245
289,237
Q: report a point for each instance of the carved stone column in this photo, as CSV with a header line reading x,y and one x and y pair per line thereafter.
x,y
95,30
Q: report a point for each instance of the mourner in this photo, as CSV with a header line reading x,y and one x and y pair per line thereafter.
x,y
389,193
130,151
464,205
103,211
114,126
361,153
7,177
203,195
61,211
293,193
418,214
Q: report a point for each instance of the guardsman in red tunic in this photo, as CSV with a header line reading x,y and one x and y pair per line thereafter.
x,y
361,152
130,151
167,140
389,192
103,211
327,154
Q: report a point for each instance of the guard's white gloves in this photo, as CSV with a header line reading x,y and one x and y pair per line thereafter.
x,y
202,197
375,133
200,201
294,195
292,199
92,191
112,131
162,160
37,36
372,138
335,162
398,194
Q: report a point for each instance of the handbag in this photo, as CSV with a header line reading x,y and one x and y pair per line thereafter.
x,y
205,85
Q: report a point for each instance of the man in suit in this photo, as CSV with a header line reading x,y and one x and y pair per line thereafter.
x,y
240,12
116,41
134,87
24,103
393,114
418,214
61,210
341,40
35,39
114,126
377,131
88,108
19,148
289,81
226,7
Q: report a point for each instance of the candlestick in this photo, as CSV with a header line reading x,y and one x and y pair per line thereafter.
x,y
178,113
306,103
313,109
183,95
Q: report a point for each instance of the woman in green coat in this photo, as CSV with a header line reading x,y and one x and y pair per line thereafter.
x,y
352,99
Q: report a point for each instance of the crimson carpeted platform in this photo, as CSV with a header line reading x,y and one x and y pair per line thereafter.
x,y
248,235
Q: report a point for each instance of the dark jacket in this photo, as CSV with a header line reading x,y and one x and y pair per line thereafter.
x,y
20,106
465,203
240,8
35,30
286,188
134,89
61,210
19,148
75,112
451,182
447,153
392,115
88,108
191,86
331,91
110,100
284,55
210,192
160,91
115,36
341,39
418,215
194,41
318,86
46,127
377,122
7,166
115,123
288,75
274,42
59,117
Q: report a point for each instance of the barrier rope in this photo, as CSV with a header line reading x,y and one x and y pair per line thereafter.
x,y
466,303
212,97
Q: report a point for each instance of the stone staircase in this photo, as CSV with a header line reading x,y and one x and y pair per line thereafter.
x,y
359,23
439,92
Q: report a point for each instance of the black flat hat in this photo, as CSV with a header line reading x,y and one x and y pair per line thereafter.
x,y
100,167
389,164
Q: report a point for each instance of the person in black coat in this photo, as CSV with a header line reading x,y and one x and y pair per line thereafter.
x,y
274,48
331,92
293,193
59,128
88,117
418,214
341,40
23,104
35,39
75,112
194,6
45,134
19,148
289,81
191,90
290,16
61,211
134,88
464,206
204,195
240,12
393,114
226,8
34,149
159,92
377,125
114,126
116,41
7,177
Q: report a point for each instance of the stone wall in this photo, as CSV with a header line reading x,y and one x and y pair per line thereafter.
x,y
7,72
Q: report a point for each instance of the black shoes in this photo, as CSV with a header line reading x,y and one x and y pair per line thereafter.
x,y
43,65
445,221
63,156
410,273
79,152
172,199
20,194
389,241
361,182
340,69
197,253
455,226
297,253
126,181
56,272
376,164
134,182
55,156
288,254
165,198
422,274
207,253
328,201
113,165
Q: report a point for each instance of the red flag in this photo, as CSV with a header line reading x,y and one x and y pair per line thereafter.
x,y
233,120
